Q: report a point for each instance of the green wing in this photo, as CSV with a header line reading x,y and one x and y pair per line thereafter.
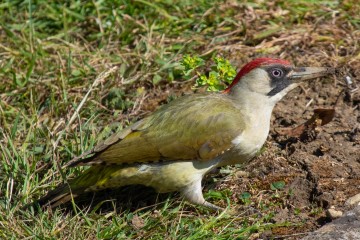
x,y
197,127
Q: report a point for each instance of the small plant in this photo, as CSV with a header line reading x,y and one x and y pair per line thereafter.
x,y
117,99
279,185
316,211
245,197
297,211
218,195
222,72
190,64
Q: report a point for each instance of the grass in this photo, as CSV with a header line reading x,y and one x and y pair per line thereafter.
x,y
53,52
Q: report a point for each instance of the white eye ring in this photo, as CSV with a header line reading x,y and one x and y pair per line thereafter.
x,y
278,73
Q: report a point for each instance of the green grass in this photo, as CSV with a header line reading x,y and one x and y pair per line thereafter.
x,y
51,53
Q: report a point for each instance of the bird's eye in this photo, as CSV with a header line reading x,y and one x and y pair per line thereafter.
x,y
278,73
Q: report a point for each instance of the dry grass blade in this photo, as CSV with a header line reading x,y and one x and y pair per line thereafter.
x,y
101,77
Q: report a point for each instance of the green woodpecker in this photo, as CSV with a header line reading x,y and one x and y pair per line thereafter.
x,y
174,147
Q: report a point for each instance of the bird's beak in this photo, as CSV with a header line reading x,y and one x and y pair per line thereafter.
x,y
304,73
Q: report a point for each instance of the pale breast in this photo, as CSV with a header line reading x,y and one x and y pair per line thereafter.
x,y
249,143
245,146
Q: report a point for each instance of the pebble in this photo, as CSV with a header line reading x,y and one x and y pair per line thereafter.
x,y
354,200
333,214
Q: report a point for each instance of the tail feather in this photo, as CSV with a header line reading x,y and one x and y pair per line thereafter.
x,y
60,195
92,179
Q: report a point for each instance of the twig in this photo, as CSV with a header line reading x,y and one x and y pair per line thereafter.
x,y
308,104
338,98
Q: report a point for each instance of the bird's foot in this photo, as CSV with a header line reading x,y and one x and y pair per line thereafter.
x,y
193,194
212,206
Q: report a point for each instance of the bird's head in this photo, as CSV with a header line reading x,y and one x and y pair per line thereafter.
x,y
272,78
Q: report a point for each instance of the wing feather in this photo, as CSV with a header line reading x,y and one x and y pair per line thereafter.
x,y
198,127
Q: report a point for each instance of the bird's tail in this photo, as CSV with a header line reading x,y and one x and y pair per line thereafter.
x,y
67,191
60,195
93,179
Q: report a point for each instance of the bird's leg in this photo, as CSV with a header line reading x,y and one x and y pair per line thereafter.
x,y
193,194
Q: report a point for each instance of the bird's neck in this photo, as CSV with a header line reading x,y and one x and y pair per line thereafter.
x,y
256,109
255,105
